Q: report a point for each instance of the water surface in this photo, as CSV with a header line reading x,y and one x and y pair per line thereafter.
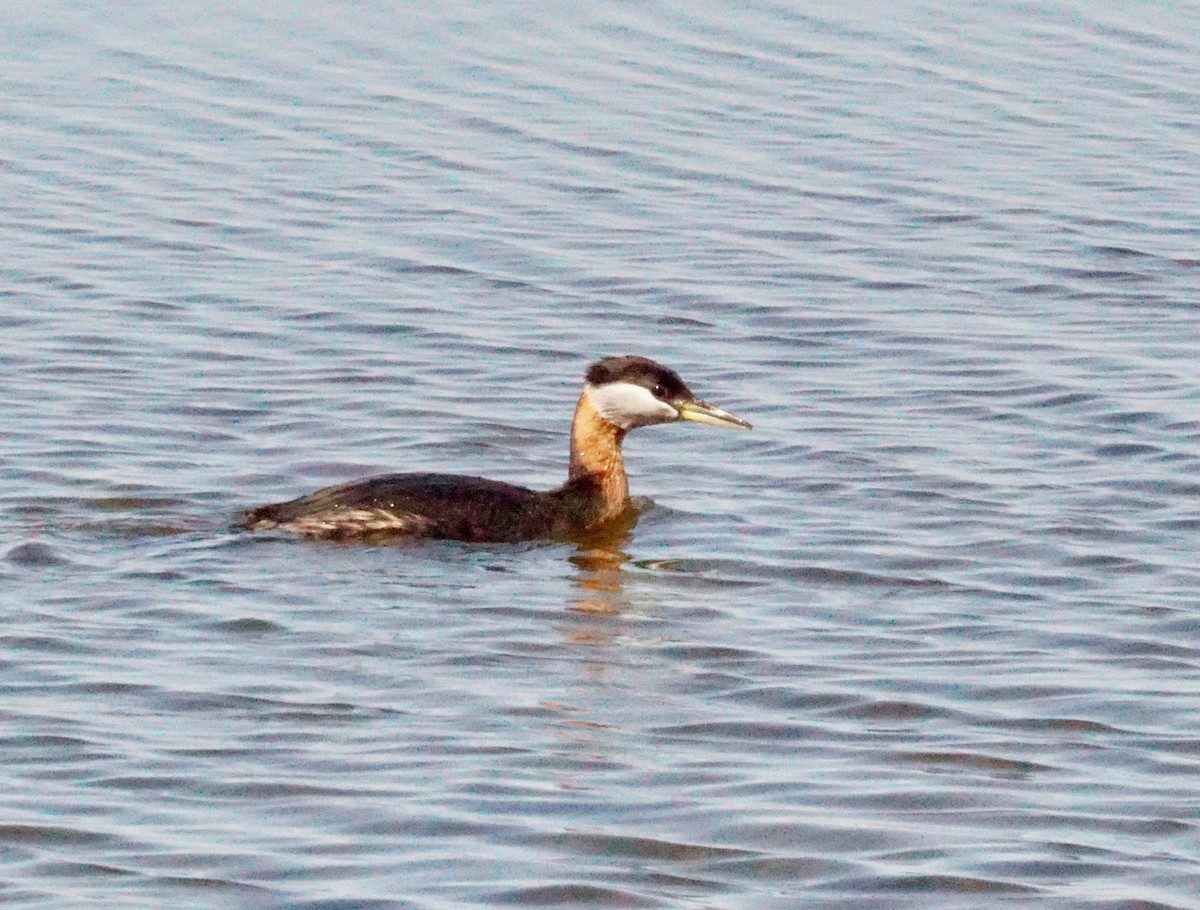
x,y
926,637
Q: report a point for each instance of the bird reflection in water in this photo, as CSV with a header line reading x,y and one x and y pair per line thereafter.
x,y
600,559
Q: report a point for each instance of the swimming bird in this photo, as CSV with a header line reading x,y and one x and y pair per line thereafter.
x,y
619,395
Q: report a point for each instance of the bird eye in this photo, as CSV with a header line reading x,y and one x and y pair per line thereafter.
x,y
660,391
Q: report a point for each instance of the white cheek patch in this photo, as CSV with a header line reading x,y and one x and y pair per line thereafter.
x,y
626,405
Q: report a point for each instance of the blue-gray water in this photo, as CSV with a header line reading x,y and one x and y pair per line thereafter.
x,y
927,637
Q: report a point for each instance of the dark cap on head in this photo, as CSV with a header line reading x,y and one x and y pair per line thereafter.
x,y
663,383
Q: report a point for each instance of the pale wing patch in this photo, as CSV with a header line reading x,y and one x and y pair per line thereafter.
x,y
628,405
355,522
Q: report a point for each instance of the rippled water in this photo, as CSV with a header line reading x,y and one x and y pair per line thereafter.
x,y
927,637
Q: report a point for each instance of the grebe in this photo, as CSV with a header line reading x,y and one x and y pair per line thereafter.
x,y
620,394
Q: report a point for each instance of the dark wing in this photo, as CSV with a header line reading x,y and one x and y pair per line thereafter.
x,y
426,505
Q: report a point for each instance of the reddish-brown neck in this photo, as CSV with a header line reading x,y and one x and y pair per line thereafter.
x,y
596,455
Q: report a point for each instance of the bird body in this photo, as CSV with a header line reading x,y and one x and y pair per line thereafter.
x,y
621,393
